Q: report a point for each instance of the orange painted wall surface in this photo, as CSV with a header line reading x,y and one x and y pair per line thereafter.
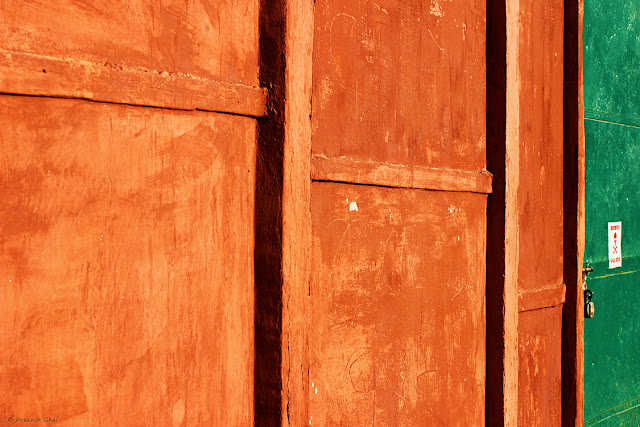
x,y
397,335
126,263
127,232
397,328
400,82
540,211
204,38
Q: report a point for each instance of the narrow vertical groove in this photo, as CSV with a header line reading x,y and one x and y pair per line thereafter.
x,y
496,120
282,212
268,219
572,308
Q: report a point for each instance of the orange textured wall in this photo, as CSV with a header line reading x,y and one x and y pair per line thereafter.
x,y
540,212
127,215
205,38
126,260
398,214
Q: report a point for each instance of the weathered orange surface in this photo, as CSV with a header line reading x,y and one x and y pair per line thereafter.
x,y
127,233
205,38
400,82
540,158
540,208
539,379
526,289
126,264
397,326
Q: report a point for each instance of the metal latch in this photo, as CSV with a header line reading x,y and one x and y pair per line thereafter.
x,y
585,272
589,308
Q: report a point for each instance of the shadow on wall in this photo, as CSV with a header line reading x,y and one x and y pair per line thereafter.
x,y
268,219
496,51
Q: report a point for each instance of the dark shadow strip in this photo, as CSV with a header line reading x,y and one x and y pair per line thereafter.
x,y
268,219
496,51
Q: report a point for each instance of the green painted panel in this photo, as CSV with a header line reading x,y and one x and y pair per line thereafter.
x,y
612,179
611,36
612,338
612,356
611,40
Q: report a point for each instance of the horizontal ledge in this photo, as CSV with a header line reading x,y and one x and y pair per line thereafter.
x,y
342,169
39,75
536,299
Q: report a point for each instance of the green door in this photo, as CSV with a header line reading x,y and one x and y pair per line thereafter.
x,y
612,131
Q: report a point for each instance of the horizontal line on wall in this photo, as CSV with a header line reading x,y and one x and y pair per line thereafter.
x,y
600,116
535,299
342,169
40,75
601,270
612,412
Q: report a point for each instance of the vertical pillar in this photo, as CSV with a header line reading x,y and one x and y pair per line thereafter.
x,y
296,211
533,287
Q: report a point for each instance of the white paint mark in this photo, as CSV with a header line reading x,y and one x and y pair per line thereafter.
x,y
353,206
341,239
311,384
344,16
380,8
434,40
458,238
435,9
178,412
316,390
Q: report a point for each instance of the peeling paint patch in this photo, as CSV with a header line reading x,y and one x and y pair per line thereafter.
x,y
435,9
353,206
178,412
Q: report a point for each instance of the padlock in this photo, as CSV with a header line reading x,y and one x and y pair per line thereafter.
x,y
589,308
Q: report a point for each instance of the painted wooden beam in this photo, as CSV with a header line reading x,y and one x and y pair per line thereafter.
x,y
48,76
535,299
296,212
342,169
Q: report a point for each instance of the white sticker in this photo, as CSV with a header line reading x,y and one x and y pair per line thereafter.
x,y
615,238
